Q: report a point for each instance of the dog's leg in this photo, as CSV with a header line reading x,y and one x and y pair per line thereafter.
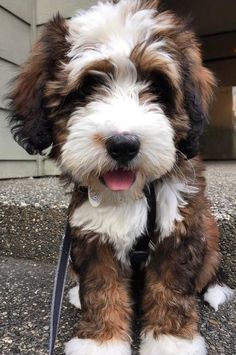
x,y
170,321
169,304
104,327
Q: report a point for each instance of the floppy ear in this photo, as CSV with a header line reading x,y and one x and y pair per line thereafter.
x,y
30,124
198,87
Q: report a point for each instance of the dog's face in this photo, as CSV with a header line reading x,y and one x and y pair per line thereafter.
x,y
119,91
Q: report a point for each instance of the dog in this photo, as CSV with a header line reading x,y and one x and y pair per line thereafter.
x,y
120,94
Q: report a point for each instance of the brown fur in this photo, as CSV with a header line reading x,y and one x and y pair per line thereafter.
x,y
166,311
30,125
105,295
181,266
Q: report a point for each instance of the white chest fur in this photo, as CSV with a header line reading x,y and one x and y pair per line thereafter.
x,y
119,225
171,196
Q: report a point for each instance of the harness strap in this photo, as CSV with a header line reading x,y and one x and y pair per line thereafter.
x,y
59,285
139,254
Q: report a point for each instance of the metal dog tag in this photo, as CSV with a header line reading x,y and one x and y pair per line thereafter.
x,y
95,198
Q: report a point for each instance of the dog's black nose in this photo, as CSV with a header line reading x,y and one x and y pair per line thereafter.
x,y
123,147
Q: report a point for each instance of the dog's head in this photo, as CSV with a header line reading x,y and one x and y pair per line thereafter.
x,y
118,91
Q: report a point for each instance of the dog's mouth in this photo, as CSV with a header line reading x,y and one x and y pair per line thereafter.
x,y
119,180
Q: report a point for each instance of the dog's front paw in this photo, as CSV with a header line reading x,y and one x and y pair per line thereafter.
x,y
171,345
73,295
78,346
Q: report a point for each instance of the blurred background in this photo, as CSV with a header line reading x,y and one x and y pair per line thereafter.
x,y
215,23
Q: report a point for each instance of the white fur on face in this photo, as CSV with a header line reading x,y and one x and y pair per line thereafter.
x,y
171,345
91,347
111,32
108,31
119,224
170,197
119,112
217,295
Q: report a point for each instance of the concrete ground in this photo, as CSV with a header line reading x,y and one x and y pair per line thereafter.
x,y
32,216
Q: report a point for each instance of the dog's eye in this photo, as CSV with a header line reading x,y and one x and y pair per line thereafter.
x,y
90,82
162,90
87,86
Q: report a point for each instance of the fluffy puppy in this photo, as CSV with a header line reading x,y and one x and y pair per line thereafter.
x,y
120,94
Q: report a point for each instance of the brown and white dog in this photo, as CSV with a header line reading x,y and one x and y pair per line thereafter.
x,y
121,95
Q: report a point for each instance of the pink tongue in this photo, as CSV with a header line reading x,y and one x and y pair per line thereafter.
x,y
119,180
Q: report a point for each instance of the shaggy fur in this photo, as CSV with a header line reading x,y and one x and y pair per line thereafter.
x,y
124,71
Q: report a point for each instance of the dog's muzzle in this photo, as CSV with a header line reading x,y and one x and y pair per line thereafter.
x,y
123,147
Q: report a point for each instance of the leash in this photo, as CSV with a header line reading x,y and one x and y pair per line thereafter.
x,y
138,257
139,254
59,285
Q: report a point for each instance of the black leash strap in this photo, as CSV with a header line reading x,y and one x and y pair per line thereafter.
x,y
139,254
59,285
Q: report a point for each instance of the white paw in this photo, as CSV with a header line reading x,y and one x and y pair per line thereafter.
x,y
78,346
171,345
217,295
74,297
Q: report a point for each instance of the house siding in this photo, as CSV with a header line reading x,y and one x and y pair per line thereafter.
x,y
15,43
21,23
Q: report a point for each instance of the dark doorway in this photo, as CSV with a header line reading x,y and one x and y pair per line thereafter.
x,y
215,24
